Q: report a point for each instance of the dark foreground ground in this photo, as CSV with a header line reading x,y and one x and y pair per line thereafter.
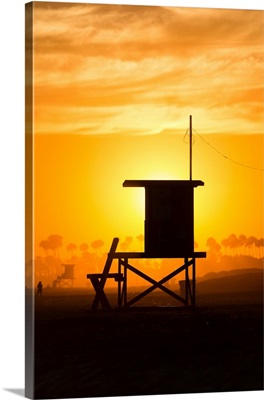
x,y
79,353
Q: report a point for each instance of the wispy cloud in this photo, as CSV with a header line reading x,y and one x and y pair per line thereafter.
x,y
105,68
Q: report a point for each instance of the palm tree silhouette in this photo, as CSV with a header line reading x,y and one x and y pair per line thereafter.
x,y
242,240
214,247
251,241
140,239
55,242
225,245
97,245
129,240
232,241
71,248
45,245
260,243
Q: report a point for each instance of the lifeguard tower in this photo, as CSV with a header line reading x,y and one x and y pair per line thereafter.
x,y
169,216
66,279
169,233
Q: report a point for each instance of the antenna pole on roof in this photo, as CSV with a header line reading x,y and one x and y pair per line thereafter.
x,y
190,147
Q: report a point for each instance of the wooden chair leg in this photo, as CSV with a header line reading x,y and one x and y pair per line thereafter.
x,y
105,273
99,294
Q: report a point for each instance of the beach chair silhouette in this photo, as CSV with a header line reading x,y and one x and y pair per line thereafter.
x,y
99,280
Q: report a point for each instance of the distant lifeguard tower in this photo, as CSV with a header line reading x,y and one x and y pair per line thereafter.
x,y
169,233
66,279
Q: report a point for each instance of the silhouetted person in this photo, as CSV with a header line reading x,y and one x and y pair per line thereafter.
x,y
39,289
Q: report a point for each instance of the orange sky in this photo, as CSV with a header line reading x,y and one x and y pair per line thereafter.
x,y
113,90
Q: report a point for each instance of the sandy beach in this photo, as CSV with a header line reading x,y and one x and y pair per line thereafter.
x,y
146,351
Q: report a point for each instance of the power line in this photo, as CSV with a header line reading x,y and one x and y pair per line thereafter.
x,y
222,154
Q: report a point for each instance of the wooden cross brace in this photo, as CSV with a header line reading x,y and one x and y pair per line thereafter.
x,y
159,284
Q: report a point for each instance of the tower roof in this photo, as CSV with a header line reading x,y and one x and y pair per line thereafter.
x,y
162,183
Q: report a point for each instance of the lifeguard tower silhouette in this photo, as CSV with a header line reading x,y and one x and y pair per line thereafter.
x,y
66,279
169,233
